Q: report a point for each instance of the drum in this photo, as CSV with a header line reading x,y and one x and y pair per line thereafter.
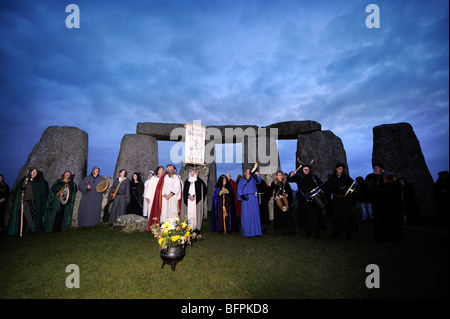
x,y
102,186
351,189
282,203
389,178
65,195
317,198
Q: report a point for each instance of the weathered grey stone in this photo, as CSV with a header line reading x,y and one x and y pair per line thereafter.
x,y
397,147
60,148
262,150
163,131
138,153
289,130
324,148
129,223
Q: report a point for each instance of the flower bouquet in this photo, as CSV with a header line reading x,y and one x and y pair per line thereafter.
x,y
173,232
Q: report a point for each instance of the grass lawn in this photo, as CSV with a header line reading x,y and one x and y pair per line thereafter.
x,y
115,265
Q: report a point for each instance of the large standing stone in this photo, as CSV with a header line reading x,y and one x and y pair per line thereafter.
x,y
60,148
324,148
138,153
397,147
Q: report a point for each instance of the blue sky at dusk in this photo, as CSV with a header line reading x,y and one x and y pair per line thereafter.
x,y
223,62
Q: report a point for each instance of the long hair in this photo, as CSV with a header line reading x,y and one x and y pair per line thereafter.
x,y
283,180
157,169
219,183
138,176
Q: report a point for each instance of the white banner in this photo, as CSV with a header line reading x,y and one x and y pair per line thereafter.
x,y
194,150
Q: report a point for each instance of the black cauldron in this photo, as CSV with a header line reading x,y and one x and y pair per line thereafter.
x,y
172,255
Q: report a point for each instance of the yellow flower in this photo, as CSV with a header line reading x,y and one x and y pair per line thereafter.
x,y
160,240
176,238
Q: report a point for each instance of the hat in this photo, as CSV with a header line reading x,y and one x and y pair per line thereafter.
x,y
151,172
378,164
340,165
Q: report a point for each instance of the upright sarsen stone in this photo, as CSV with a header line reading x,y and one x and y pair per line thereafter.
x,y
138,153
397,147
324,148
60,148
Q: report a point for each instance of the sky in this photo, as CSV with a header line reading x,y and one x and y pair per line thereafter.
x,y
227,62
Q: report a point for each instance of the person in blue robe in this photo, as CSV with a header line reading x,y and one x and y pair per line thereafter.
x,y
250,216
223,207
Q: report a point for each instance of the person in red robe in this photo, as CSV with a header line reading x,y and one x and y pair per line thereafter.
x,y
155,211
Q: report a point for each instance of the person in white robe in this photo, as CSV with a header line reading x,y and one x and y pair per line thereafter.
x,y
171,194
149,192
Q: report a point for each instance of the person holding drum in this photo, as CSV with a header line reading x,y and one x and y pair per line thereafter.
x,y
342,209
92,187
60,202
311,201
119,196
283,215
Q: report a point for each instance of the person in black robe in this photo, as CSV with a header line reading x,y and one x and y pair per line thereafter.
x,y
4,195
283,218
388,218
310,218
410,209
194,195
342,209
441,189
136,195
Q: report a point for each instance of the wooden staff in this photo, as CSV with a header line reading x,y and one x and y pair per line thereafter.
x,y
22,195
224,209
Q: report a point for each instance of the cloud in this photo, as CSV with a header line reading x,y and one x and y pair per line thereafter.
x,y
224,62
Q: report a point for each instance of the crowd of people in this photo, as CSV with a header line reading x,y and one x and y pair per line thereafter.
x,y
240,206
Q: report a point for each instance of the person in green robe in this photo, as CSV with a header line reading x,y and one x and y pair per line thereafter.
x,y
35,191
59,206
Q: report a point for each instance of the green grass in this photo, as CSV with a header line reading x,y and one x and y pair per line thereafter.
x,y
127,265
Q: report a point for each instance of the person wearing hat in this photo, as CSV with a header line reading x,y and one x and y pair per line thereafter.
x,y
441,191
58,212
310,219
342,209
92,187
386,204
35,192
